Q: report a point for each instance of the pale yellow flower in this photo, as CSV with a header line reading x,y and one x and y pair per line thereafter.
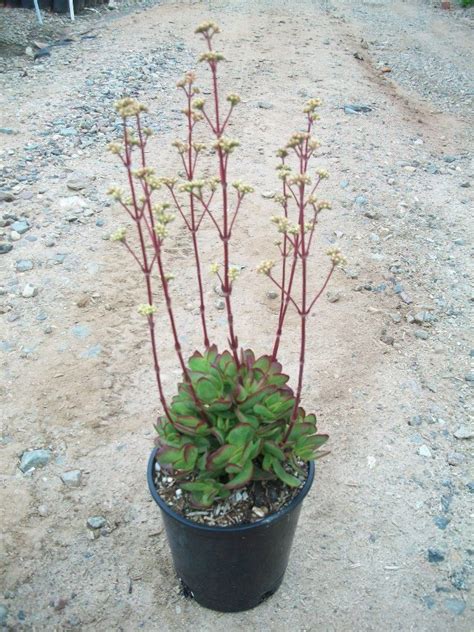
x,y
266,267
119,235
336,256
147,310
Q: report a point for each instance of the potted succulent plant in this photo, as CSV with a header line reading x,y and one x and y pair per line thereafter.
x,y
235,449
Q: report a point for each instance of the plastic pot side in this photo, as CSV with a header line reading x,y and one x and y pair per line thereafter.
x,y
236,568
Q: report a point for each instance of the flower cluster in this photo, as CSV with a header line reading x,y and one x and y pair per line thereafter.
x,y
211,56
192,185
168,182
115,148
234,273
266,266
284,171
311,105
115,193
119,235
322,173
207,28
146,310
198,147
159,211
180,146
143,173
300,179
297,139
227,145
129,107
153,182
233,98
198,104
336,256
242,188
188,79
282,223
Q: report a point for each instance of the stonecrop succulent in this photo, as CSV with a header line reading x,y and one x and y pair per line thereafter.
x,y
232,424
234,419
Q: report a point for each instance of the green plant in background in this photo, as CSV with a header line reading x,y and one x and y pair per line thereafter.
x,y
234,418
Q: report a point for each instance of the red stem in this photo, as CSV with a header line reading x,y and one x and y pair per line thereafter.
x,y
194,225
146,271
225,233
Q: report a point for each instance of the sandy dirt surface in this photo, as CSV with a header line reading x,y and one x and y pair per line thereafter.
x,y
383,542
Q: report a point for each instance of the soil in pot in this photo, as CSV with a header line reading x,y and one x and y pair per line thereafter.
x,y
244,506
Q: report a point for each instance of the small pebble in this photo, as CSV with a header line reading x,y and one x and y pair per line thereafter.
x,y
5,247
416,420
23,265
265,105
455,458
455,606
424,451
435,556
421,334
3,614
96,522
29,291
441,522
72,478
333,297
35,458
463,433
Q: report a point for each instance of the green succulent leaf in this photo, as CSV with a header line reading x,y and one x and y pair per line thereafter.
x,y
190,425
241,435
206,391
242,478
284,476
168,455
262,411
269,447
221,457
199,364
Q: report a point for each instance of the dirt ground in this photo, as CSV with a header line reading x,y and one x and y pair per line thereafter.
x,y
384,539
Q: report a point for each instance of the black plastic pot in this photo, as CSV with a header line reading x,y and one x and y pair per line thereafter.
x,y
62,6
29,4
230,569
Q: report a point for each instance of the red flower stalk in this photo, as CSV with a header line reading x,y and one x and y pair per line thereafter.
x,y
297,241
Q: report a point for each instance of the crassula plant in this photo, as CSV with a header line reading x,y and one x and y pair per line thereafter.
x,y
234,418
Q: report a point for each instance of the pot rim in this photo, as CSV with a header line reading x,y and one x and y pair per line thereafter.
x,y
264,522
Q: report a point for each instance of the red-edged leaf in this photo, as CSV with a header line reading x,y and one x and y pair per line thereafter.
x,y
220,458
242,478
284,476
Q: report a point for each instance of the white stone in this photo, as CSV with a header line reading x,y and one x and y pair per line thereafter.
x,y
29,291
424,451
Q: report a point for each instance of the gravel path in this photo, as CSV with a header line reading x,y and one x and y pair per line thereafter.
x,y
384,540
